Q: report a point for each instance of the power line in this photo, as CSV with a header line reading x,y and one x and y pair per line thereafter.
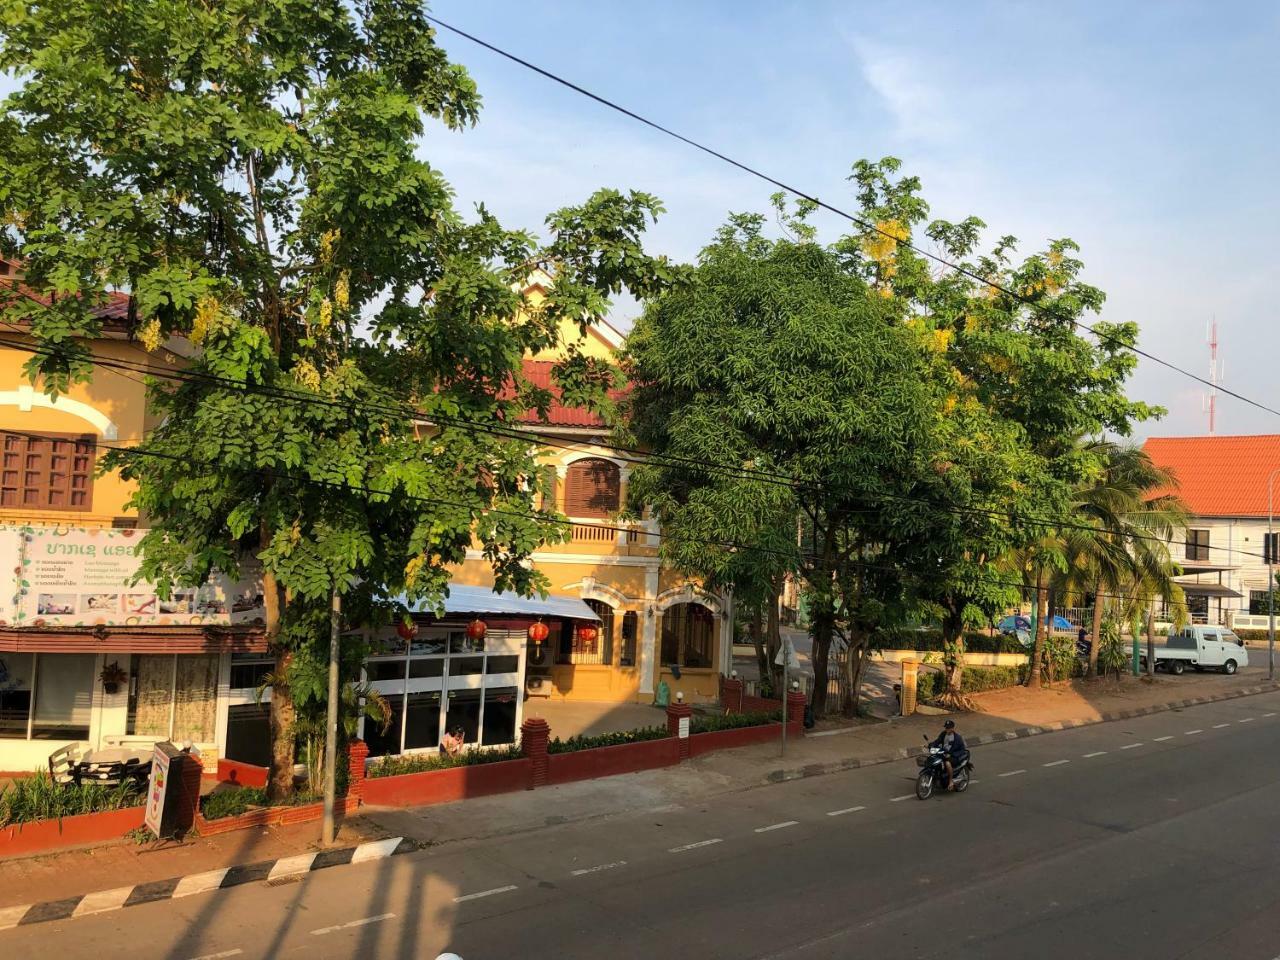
x,y
406,410
865,224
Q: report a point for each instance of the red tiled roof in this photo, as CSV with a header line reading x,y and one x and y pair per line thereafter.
x,y
115,311
1221,476
538,373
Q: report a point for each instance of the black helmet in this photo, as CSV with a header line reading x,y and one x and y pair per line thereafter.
x,y
949,725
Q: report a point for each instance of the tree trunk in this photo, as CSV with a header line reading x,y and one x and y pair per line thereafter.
x,y
1097,632
823,627
854,661
757,636
953,662
282,714
1042,628
1151,640
774,643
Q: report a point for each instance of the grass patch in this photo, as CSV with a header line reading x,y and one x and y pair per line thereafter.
x,y
36,798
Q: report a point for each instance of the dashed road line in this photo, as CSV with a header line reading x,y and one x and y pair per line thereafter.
x,y
1055,763
905,796
1012,773
1096,753
1219,726
1192,733
1130,746
1246,720
365,921
1268,714
778,826
841,813
1163,739
485,893
695,846
597,869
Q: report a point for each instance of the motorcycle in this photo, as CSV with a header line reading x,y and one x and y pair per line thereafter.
x,y
933,774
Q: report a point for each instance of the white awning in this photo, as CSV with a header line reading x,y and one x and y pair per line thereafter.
x,y
482,600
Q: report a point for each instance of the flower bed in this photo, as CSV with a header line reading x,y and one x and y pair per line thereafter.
x,y
43,835
426,762
713,722
596,741
38,798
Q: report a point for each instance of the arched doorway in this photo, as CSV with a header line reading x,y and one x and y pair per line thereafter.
x,y
689,635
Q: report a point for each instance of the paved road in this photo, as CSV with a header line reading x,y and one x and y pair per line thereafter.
x,y
1157,837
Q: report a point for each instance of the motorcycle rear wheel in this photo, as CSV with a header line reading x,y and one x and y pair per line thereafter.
x,y
962,780
924,785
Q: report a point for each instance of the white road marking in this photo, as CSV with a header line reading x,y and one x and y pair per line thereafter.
x,y
292,866
778,826
485,893
1268,714
1012,773
905,796
695,846
376,850
604,866
364,921
1192,733
1246,720
219,956
1219,726
841,813
1163,739
1096,753
9,916
199,883
102,901
1130,746
1055,763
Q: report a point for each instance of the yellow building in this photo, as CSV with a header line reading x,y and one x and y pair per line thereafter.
x,y
657,626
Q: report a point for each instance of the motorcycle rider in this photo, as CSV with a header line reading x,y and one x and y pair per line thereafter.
x,y
953,745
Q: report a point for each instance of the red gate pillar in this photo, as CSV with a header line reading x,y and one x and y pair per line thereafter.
x,y
534,735
731,693
796,703
678,711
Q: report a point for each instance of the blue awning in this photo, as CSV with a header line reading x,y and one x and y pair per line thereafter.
x,y
482,600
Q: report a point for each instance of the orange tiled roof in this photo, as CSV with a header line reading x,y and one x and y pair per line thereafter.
x,y
1221,476
538,372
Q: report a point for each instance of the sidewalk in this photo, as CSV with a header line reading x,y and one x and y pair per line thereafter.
x,y
1005,714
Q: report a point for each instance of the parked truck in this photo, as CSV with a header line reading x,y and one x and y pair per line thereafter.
x,y
1200,648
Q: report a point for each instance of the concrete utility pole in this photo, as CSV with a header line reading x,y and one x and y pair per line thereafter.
x,y
1271,577
329,832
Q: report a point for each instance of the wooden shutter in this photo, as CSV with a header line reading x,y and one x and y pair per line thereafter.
x,y
592,488
50,472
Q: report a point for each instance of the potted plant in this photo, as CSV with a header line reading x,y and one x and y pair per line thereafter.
x,y
112,676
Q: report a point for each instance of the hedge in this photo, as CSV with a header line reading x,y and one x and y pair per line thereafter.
x,y
583,742
904,638
711,722
29,799
932,683
422,762
230,803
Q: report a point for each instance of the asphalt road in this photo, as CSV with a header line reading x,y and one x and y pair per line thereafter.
x,y
1156,837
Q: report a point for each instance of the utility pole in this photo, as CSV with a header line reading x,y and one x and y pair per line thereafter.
x,y
331,722
1271,577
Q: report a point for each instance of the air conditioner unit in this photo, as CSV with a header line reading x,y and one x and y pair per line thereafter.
x,y
538,685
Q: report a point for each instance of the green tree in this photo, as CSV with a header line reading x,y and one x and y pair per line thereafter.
x,y
250,173
779,358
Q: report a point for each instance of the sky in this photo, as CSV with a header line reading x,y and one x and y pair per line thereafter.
x,y
1147,132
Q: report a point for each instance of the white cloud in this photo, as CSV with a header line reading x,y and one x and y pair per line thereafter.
x,y
917,104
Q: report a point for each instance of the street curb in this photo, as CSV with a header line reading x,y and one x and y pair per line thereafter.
x,y
1019,733
271,872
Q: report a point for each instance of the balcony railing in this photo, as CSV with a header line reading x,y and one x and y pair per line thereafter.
x,y
604,532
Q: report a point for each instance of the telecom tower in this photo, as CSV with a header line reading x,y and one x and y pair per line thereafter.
x,y
1210,401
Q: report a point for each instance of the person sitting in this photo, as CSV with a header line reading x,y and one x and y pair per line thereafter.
x,y
953,747
451,744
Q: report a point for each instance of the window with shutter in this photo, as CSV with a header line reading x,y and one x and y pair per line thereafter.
x,y
49,472
592,488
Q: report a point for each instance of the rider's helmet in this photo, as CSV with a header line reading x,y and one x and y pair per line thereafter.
x,y
949,725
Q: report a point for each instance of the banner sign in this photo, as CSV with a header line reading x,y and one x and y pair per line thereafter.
x,y
78,577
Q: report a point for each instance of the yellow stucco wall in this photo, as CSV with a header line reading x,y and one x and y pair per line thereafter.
x,y
112,408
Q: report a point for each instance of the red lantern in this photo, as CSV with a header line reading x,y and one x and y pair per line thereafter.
x,y
476,629
538,632
406,630
587,638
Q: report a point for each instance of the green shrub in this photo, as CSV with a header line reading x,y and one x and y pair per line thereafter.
x,y
229,803
933,683
926,641
615,739
711,722
424,762
38,798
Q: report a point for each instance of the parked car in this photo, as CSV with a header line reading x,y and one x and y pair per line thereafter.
x,y
1201,648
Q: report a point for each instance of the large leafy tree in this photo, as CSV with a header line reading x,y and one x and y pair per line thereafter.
x,y
780,360
251,174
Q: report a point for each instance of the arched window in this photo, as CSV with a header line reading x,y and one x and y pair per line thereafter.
x,y
592,488
599,650
688,635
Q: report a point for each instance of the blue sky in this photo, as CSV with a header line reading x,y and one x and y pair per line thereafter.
x,y
1147,132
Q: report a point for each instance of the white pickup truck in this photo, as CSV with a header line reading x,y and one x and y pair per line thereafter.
x,y
1200,647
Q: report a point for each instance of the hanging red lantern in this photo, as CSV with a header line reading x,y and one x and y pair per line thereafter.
x,y
538,632
406,630
476,629
587,635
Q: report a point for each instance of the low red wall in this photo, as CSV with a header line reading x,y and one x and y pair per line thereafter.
x,y
701,743
608,761
445,786
25,838
271,817
241,774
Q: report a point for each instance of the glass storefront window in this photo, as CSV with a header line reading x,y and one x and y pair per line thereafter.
x,y
464,714
15,693
500,715
422,726
502,665
424,668
64,695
